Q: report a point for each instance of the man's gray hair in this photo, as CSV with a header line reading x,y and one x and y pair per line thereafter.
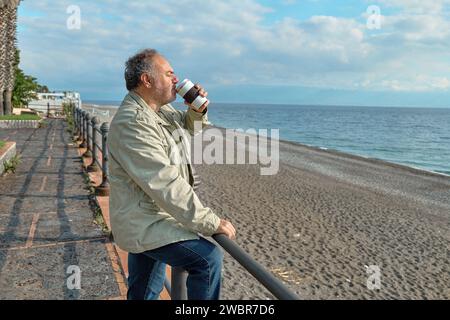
x,y
141,62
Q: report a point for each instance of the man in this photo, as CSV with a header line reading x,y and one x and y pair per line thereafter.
x,y
155,214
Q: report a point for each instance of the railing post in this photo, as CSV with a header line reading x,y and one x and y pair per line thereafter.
x,y
48,109
83,129
103,188
74,120
77,122
178,284
93,167
80,123
88,152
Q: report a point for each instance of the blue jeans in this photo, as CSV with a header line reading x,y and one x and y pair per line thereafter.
x,y
200,258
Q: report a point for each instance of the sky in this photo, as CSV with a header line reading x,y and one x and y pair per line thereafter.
x,y
320,52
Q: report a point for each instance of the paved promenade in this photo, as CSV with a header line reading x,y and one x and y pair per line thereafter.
x,y
47,229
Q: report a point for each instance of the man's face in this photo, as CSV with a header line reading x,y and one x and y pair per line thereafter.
x,y
165,81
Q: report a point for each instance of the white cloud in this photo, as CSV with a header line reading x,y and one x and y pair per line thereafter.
x,y
417,6
232,42
418,83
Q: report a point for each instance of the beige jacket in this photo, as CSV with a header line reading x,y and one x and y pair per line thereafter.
x,y
151,202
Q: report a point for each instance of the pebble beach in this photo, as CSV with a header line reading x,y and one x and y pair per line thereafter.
x,y
327,219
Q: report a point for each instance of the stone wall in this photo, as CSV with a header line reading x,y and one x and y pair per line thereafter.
x,y
17,124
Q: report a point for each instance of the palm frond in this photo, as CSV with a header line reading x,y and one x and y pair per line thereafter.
x,y
9,3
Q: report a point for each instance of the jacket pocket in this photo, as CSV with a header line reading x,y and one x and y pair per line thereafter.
x,y
149,206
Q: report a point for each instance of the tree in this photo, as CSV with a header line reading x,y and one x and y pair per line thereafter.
x,y
25,87
8,20
24,90
43,89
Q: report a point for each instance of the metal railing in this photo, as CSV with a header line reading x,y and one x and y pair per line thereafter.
x,y
86,129
50,109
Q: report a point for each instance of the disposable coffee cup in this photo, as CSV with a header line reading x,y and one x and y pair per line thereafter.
x,y
190,94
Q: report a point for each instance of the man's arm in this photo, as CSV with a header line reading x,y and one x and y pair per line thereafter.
x,y
191,116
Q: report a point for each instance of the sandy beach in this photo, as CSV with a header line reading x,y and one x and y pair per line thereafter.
x,y
327,217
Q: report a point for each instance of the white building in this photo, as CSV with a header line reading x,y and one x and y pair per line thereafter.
x,y
54,101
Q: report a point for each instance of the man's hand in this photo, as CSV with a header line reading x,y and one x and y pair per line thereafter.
x,y
226,228
203,93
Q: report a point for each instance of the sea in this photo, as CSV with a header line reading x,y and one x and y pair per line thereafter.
x,y
416,137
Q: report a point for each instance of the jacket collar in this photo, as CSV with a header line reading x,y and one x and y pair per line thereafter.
x,y
137,98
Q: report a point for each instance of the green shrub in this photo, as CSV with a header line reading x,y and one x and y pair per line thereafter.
x,y
67,111
11,164
20,117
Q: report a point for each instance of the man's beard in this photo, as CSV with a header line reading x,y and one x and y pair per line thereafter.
x,y
165,98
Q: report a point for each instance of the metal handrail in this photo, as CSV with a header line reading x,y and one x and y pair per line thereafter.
x,y
98,146
274,285
45,104
50,107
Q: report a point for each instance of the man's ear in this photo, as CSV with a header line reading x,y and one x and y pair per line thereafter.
x,y
146,80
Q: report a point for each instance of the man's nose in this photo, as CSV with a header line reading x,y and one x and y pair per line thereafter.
x,y
175,79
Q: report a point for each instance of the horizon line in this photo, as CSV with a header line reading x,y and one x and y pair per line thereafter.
x,y
302,105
